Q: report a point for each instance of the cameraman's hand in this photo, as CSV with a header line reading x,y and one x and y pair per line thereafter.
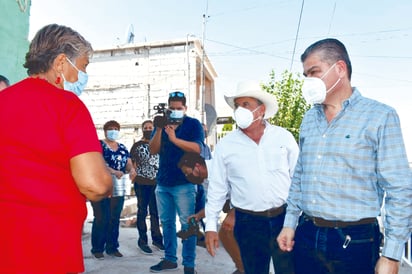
x,y
160,121
170,131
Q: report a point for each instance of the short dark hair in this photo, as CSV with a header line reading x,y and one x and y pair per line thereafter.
x,y
189,159
177,96
111,123
332,50
5,80
146,122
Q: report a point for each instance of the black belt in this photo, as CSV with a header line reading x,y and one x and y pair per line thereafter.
x,y
270,213
320,222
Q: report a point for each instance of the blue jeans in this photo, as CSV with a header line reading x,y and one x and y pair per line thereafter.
x,y
322,250
256,237
178,199
105,228
146,198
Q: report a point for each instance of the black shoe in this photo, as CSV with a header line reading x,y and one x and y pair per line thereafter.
x,y
159,246
115,254
98,255
189,270
164,265
145,249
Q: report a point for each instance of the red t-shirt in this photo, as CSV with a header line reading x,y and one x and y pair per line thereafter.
x,y
42,210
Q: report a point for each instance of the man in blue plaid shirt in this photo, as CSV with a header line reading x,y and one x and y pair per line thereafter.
x,y
352,163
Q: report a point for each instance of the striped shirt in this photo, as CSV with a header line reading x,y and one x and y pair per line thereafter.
x,y
347,167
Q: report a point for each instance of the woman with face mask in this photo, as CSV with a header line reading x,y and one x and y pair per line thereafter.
x,y
105,228
146,166
51,160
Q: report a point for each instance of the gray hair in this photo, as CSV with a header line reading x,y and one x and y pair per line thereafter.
x,y
330,51
49,42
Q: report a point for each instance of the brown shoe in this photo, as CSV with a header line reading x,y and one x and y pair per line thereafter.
x,y
115,254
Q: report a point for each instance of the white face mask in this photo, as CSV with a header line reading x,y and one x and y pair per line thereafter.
x,y
314,89
244,117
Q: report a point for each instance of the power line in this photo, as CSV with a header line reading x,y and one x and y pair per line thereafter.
x,y
297,34
331,18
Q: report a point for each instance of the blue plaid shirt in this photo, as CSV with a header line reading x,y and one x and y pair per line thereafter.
x,y
348,168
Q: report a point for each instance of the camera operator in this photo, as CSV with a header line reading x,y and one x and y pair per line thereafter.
x,y
174,135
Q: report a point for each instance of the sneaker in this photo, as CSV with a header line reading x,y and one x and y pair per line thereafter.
x,y
189,270
98,255
164,265
115,254
159,246
145,249
237,271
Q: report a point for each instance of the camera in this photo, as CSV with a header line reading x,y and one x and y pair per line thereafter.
x,y
161,109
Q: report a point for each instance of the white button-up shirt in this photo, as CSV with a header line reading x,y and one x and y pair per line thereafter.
x,y
257,175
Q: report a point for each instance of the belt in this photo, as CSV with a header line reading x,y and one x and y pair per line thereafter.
x,y
338,224
270,213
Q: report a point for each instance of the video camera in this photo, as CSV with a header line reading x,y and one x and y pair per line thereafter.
x,y
161,109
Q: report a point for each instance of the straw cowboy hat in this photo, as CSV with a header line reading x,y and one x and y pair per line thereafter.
x,y
254,90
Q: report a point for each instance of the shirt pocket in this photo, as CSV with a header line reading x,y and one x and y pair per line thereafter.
x,y
276,159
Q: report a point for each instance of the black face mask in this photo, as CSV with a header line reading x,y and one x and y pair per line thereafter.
x,y
147,134
193,179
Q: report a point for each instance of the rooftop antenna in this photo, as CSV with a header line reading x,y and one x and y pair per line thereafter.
x,y
130,34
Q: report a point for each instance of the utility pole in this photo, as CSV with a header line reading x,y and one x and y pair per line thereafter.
x,y
202,69
188,67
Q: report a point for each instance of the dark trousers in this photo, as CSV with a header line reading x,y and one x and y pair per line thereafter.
x,y
319,250
200,202
256,237
146,198
105,228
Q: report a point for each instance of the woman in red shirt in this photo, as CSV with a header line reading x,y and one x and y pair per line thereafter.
x,y
51,158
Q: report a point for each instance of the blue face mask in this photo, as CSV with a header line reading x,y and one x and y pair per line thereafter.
x,y
112,134
177,114
78,86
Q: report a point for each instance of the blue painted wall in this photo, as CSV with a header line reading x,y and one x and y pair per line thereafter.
x,y
14,31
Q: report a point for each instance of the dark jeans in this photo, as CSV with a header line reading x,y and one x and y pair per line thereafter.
x,y
105,228
200,202
321,250
256,237
146,198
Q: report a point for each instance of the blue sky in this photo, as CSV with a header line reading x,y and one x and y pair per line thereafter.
x,y
249,39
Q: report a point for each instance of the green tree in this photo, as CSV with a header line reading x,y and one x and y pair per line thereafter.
x,y
292,105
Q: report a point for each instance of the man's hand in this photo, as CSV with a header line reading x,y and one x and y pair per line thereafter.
x,y
212,242
386,266
160,121
285,239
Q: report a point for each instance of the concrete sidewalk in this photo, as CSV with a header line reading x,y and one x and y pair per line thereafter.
x,y
133,261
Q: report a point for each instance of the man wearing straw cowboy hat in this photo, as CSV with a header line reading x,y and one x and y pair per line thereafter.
x,y
255,163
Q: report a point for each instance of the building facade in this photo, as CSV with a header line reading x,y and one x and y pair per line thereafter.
x,y
127,82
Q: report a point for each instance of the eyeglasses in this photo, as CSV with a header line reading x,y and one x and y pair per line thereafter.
x,y
176,94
